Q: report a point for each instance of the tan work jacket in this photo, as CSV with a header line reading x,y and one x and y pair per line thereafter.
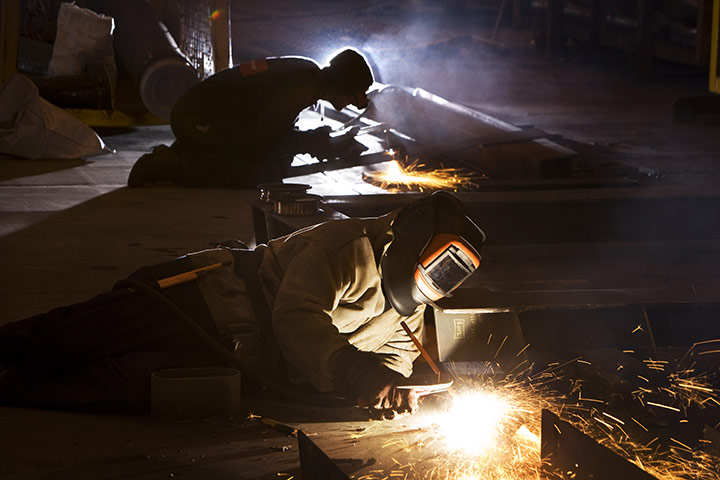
x,y
323,287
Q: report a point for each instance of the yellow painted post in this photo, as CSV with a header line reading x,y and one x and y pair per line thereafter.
x,y
9,37
714,48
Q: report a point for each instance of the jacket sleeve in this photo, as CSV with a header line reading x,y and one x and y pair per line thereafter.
x,y
398,352
315,282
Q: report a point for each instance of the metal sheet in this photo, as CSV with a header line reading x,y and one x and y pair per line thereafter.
x,y
314,464
568,453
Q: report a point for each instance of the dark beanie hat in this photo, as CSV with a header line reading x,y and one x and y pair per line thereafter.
x,y
349,72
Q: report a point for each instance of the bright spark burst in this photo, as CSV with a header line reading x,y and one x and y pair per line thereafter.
x,y
475,421
490,428
398,176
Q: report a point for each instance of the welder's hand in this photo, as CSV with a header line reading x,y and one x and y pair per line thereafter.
x,y
346,145
378,391
373,384
316,142
391,401
324,147
321,133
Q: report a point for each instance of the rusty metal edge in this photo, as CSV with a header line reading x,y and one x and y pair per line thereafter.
x,y
314,463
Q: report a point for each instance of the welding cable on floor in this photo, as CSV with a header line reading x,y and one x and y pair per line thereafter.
x,y
304,397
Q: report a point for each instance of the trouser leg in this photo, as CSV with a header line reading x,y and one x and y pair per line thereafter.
x,y
225,156
99,352
219,170
231,169
117,383
106,325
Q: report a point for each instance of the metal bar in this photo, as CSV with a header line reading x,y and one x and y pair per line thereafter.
x,y
9,37
339,164
566,452
506,138
220,34
480,299
314,463
714,48
498,20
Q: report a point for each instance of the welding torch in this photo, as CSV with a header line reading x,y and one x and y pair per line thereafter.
x,y
421,386
431,388
347,130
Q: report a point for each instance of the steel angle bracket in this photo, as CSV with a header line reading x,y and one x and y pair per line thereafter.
x,y
314,463
568,453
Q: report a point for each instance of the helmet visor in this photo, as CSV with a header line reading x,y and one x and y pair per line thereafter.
x,y
442,270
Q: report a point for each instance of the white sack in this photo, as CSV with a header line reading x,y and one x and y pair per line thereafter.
x,y
31,127
83,37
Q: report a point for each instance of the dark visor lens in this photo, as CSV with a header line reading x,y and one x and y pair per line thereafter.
x,y
447,272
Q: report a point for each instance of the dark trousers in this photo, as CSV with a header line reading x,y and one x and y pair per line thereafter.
x,y
226,156
100,353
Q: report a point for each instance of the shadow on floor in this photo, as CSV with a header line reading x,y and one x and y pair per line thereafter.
x,y
13,167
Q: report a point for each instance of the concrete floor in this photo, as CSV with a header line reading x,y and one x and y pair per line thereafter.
x,y
70,229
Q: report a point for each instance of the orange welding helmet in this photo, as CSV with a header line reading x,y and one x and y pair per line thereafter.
x,y
446,263
435,248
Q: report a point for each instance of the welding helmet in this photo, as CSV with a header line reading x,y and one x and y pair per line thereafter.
x,y
435,248
349,73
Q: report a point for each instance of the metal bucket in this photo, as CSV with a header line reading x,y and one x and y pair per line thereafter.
x,y
195,393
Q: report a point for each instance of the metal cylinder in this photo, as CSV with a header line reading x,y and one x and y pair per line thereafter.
x,y
194,393
155,63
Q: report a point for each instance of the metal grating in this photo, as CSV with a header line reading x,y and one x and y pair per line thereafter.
x,y
190,24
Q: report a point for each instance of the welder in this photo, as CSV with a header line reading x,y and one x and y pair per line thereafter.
x,y
237,127
319,309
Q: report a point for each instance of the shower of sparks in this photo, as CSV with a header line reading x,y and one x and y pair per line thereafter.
x,y
490,428
486,430
413,177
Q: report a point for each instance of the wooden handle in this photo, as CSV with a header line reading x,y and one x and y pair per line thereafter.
x,y
185,277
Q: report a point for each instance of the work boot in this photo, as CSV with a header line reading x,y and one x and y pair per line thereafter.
x,y
162,165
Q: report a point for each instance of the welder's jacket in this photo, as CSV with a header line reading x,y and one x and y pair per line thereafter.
x,y
323,287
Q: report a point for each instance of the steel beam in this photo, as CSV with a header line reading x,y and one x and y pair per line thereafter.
x,y
566,452
315,464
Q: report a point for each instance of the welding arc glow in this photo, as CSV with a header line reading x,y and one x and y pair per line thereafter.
x,y
489,428
474,422
485,432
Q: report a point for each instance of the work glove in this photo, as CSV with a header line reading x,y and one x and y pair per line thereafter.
x,y
311,141
346,145
321,145
373,384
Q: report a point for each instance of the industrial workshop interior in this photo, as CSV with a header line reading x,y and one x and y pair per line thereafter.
x,y
583,137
